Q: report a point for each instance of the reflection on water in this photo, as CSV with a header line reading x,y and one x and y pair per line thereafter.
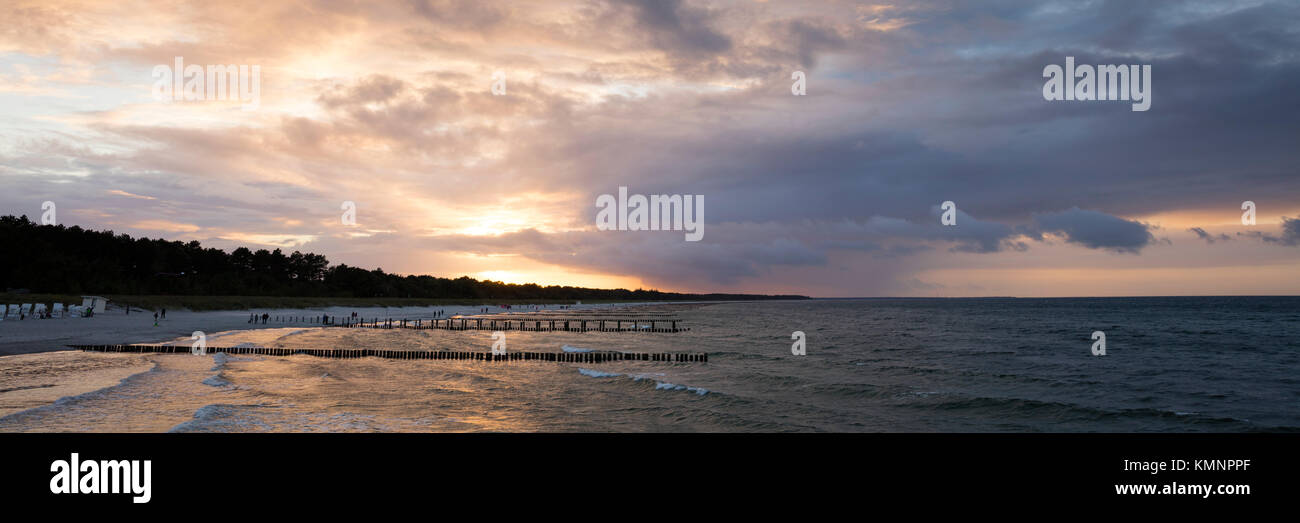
x,y
1174,364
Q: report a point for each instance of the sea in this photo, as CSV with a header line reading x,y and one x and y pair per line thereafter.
x,y
1170,364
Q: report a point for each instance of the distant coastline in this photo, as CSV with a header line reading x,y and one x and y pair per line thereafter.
x,y
59,263
243,303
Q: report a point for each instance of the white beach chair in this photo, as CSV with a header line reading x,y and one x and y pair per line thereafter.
x,y
11,310
26,309
38,310
57,311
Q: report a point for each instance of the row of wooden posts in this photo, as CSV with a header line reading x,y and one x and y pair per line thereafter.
x,y
564,357
463,324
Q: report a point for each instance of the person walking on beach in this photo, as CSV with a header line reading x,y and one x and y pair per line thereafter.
x,y
155,318
265,317
164,314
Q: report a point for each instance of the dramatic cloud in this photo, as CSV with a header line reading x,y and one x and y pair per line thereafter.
x,y
1290,236
1209,238
390,106
1094,230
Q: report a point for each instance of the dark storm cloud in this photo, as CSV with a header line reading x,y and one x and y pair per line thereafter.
x,y
964,120
661,257
808,38
1094,230
677,28
1290,233
1209,238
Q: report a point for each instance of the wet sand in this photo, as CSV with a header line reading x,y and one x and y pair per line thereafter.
x,y
33,380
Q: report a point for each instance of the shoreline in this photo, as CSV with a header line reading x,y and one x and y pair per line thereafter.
x,y
116,327
41,371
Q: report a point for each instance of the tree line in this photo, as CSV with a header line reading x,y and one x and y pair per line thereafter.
x,y
55,259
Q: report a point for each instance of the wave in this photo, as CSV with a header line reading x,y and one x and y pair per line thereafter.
x,y
90,394
220,417
219,361
598,374
659,385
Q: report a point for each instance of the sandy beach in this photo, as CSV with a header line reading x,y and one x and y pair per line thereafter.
x,y
37,369
116,327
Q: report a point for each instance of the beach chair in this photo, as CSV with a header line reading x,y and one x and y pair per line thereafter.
x,y
74,311
26,309
57,311
38,310
11,310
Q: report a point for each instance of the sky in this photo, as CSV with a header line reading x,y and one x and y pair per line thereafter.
x,y
474,138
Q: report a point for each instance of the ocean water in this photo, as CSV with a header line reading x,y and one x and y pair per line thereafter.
x,y
932,365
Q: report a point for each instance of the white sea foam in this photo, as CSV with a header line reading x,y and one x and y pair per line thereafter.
x,y
673,386
659,385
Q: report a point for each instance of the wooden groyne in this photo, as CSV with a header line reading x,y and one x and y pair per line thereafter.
x,y
529,324
533,324
562,357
